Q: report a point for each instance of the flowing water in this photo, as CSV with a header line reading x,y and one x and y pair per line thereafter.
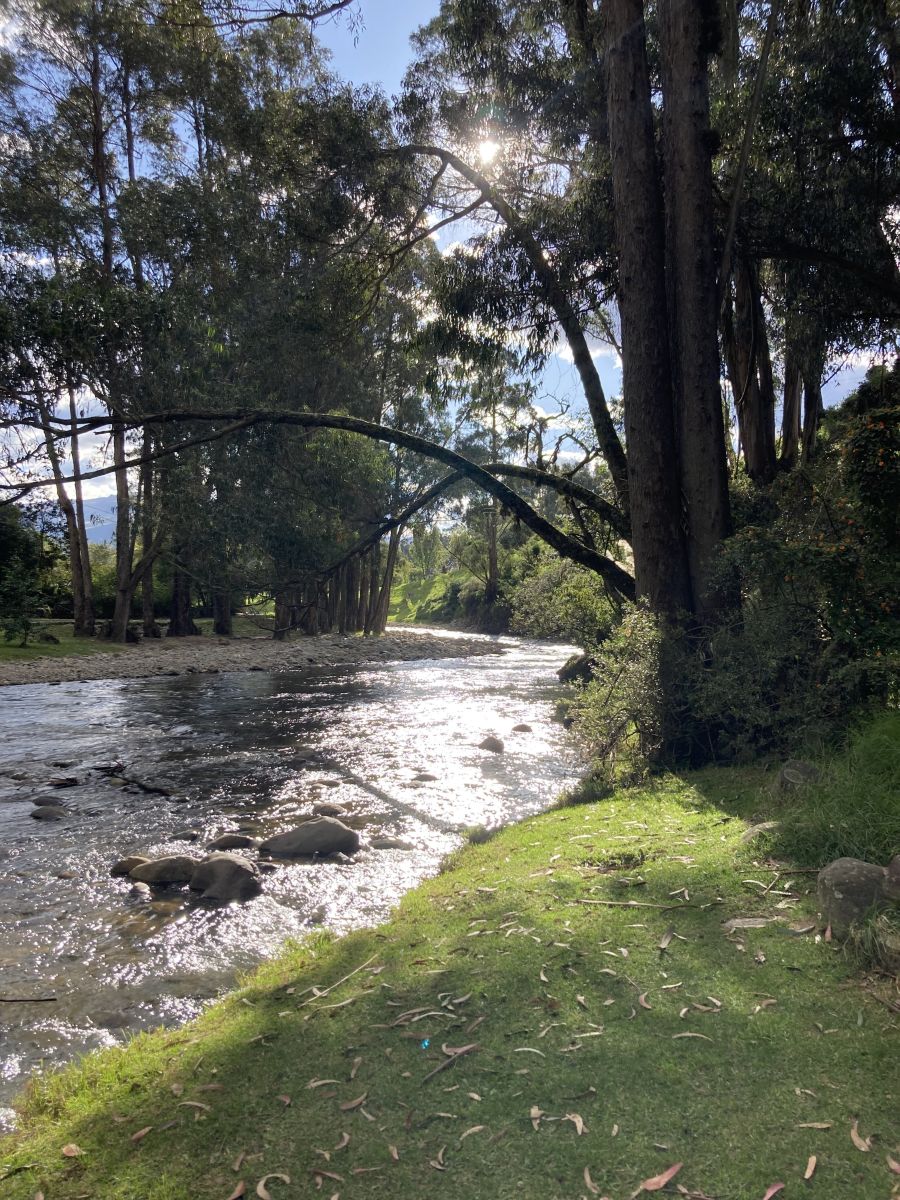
x,y
249,750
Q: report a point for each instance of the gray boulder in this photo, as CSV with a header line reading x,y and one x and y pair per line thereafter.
x,y
849,889
126,865
389,843
174,868
329,810
321,835
49,812
224,878
491,743
233,841
186,835
521,728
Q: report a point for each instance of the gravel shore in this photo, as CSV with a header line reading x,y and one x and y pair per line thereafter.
x,y
185,656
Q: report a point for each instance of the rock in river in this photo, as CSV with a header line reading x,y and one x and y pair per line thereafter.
x,y
329,810
126,865
175,868
491,743
49,812
233,841
222,878
322,835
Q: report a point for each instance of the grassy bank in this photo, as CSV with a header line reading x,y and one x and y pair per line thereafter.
x,y
564,1012
67,644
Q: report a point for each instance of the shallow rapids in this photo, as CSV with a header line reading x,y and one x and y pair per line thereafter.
x,y
251,750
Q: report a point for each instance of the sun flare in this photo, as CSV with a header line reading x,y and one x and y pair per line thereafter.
x,y
488,151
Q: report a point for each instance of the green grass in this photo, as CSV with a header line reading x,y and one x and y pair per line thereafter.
x,y
509,949
854,810
10,652
422,600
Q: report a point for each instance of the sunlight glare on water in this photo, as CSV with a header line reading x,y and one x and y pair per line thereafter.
x,y
251,751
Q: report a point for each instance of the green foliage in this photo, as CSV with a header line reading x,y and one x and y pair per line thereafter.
x,y
852,811
555,598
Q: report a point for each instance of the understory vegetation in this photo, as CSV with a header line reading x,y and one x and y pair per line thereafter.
x,y
589,999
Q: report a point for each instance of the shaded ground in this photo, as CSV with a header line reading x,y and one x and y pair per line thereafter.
x,y
564,1012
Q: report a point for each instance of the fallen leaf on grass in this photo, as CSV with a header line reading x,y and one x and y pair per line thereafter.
x,y
238,1162
357,1063
691,1035
438,1161
659,1181
666,939
810,1167
320,1174
535,1114
240,1190
194,1104
858,1141
345,1141
317,1083
581,1000
577,1121
141,1134
528,1050
893,1164
773,1191
354,1104
394,1153
642,1001
262,1191
177,1089
589,1183
469,1132
285,1100
747,923
70,1150
814,1125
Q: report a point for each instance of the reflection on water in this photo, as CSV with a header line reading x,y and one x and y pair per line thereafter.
x,y
251,751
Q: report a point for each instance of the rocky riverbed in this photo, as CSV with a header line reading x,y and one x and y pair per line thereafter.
x,y
211,655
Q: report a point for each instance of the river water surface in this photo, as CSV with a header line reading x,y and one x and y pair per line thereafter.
x,y
250,750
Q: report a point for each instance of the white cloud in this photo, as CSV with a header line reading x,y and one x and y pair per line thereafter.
x,y
564,352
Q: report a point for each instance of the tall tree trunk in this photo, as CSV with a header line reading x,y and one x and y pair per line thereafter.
x,y
384,596
221,606
750,371
86,626
662,573
372,601
148,610
790,419
181,624
813,406
691,273
124,543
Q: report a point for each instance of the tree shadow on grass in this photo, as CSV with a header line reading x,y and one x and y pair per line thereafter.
x,y
669,1038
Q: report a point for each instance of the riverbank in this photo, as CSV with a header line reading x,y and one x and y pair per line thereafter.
x,y
193,655
585,1002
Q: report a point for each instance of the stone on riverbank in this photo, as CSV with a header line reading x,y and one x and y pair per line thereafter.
x,y
174,868
329,810
522,728
223,878
849,890
321,835
389,843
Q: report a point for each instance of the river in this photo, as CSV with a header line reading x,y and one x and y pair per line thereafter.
x,y
253,750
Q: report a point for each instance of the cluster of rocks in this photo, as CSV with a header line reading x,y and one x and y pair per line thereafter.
x,y
224,876
850,890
